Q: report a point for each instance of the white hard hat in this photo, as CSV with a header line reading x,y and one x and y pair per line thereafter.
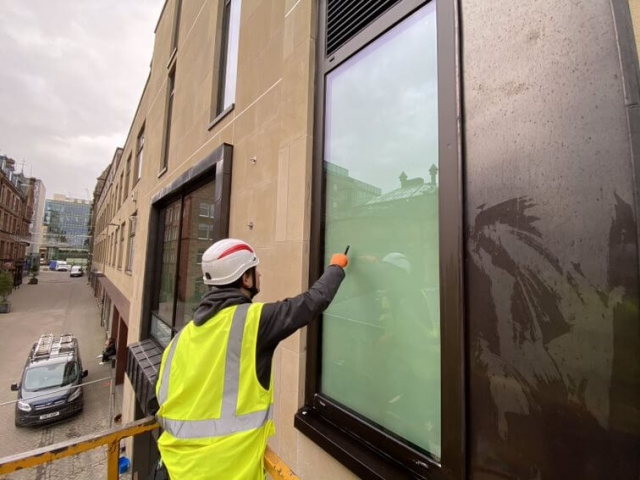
x,y
398,260
226,260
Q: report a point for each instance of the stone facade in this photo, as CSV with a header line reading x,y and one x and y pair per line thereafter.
x,y
270,129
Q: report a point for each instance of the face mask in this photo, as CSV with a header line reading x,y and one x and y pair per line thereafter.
x,y
254,290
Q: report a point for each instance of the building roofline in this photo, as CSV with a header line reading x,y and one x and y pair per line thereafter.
x,y
160,16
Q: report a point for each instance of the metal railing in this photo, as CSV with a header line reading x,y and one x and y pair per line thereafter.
x,y
111,438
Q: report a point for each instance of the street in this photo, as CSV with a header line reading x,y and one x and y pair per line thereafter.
x,y
57,304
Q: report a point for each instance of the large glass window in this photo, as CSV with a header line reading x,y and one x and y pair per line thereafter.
x,y
228,54
380,349
180,276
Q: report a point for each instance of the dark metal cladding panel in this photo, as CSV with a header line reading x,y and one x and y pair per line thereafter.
x,y
346,18
143,364
551,244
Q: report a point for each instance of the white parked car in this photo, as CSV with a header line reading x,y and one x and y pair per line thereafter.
x,y
62,267
76,271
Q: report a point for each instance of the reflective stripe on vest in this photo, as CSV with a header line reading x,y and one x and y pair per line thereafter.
x,y
228,423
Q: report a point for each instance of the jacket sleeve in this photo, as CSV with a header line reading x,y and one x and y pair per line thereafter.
x,y
281,319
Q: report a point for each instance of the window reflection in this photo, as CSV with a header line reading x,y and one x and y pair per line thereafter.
x,y
196,237
187,232
169,258
381,336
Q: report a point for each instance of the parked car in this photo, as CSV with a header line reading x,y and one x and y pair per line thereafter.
x,y
51,384
62,266
76,271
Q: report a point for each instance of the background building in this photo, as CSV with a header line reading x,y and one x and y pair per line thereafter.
x,y
16,214
35,227
67,221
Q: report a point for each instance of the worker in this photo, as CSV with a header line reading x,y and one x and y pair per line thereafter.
x,y
215,387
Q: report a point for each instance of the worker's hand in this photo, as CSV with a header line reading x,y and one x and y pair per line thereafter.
x,y
339,259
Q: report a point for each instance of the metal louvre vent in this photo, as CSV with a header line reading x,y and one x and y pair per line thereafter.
x,y
345,18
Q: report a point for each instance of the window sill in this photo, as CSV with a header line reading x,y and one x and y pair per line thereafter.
x,y
172,59
128,272
353,454
162,172
220,116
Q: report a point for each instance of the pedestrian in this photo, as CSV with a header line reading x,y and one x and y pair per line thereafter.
x,y
108,352
215,387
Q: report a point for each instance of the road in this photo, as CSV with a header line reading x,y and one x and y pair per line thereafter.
x,y
57,304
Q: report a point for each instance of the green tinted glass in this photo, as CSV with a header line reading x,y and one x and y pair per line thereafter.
x,y
381,335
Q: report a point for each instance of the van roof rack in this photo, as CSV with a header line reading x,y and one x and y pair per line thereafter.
x,y
49,345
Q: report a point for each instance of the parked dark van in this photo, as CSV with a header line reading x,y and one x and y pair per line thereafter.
x,y
50,388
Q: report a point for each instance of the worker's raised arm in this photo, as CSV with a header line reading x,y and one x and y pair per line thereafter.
x,y
281,319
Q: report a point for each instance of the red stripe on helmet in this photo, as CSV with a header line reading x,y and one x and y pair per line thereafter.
x,y
234,249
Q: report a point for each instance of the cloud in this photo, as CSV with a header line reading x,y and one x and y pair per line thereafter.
x,y
72,77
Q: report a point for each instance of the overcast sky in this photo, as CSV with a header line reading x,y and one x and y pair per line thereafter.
x,y
72,74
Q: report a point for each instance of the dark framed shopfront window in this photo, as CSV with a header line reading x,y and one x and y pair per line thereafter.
x,y
175,249
384,385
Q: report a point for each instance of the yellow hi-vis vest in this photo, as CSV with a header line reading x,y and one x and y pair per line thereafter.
x,y
215,413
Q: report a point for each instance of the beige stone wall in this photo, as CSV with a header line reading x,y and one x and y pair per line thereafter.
x,y
635,17
272,121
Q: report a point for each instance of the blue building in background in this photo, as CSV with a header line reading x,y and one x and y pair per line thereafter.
x,y
66,228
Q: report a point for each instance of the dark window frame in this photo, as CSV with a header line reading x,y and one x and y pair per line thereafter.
x,y
215,167
121,248
132,233
161,229
166,144
220,63
223,53
139,151
368,451
127,176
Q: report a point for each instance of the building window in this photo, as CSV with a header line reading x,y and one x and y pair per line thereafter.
x,y
123,192
199,256
228,55
378,349
139,154
171,87
205,231
132,234
121,248
382,104
206,210
179,281
114,247
127,177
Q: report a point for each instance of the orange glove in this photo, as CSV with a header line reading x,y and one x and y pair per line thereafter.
x,y
339,259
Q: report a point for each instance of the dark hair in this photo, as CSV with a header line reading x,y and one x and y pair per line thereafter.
x,y
238,283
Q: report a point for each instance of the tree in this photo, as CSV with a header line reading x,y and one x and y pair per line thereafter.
x,y
6,287
35,269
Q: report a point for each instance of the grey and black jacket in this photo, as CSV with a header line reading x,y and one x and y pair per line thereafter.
x,y
278,320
